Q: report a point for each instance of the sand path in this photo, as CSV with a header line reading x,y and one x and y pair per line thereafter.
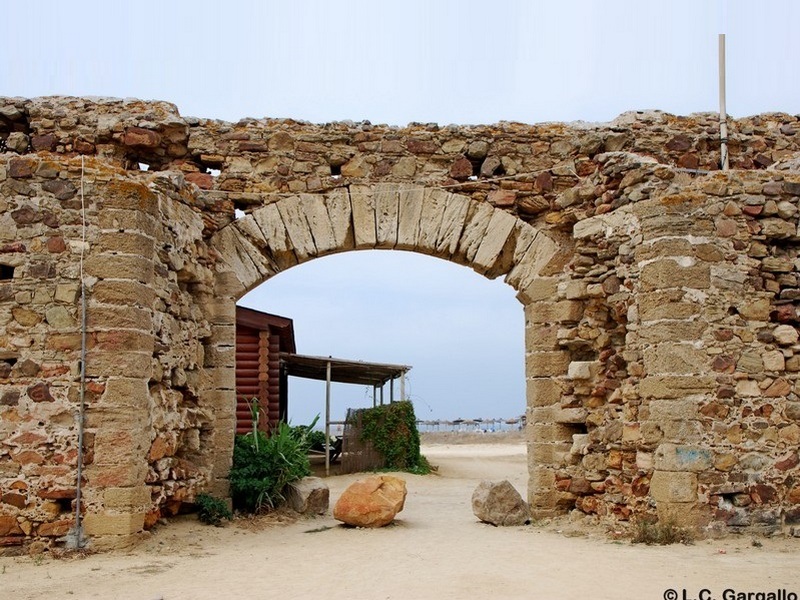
x,y
436,550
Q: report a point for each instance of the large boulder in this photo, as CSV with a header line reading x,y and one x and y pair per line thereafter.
x,y
308,496
371,502
499,503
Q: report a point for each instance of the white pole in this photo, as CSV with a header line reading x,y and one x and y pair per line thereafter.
x,y
328,421
723,117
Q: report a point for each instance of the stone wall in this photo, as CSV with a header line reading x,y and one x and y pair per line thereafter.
x,y
679,321
660,301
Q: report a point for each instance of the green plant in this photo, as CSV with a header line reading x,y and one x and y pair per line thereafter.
x,y
655,532
392,430
305,434
316,440
211,511
252,404
263,466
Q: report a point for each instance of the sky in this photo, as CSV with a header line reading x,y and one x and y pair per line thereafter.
x,y
444,61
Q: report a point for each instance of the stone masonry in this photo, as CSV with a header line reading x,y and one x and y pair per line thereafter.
x,y
660,297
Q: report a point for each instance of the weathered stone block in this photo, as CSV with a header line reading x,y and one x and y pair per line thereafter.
x,y
669,486
104,363
113,524
543,391
679,409
542,364
364,224
127,497
676,358
688,515
127,243
541,289
675,386
671,457
583,369
565,311
668,273
541,337
116,266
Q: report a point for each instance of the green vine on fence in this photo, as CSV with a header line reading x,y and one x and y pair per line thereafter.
x,y
392,431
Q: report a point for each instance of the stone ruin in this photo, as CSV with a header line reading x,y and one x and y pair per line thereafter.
x,y
660,297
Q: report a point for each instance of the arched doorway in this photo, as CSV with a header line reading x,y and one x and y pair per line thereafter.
x,y
296,229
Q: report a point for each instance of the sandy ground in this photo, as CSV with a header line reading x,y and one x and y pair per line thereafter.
x,y
436,549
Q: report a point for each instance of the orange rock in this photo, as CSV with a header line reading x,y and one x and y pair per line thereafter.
x,y
54,528
371,502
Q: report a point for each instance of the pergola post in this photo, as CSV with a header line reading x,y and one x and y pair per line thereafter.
x,y
328,420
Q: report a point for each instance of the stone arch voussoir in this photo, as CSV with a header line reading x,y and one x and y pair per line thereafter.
x,y
454,227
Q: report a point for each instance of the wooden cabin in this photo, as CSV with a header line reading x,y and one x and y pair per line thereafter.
x,y
260,340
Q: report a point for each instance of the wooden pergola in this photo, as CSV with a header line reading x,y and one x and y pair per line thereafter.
x,y
339,370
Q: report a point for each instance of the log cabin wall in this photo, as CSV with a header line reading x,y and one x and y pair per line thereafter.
x,y
258,346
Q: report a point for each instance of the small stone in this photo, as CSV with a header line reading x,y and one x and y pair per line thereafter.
x,y
422,146
726,227
787,461
11,112
502,198
20,168
205,181
499,503
779,388
62,190
774,360
40,392
10,398
44,142
785,335
478,149
17,142
144,138
533,205
792,188
772,188
461,169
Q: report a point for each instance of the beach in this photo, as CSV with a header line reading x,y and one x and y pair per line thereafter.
x,y
436,548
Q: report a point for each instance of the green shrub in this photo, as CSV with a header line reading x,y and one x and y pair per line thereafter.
x,y
212,510
392,430
263,466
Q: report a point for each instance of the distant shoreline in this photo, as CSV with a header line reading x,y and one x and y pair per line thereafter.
x,y
471,437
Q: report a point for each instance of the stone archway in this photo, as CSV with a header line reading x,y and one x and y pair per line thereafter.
x,y
662,307
296,229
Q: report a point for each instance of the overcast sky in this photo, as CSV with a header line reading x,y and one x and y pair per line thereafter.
x,y
445,61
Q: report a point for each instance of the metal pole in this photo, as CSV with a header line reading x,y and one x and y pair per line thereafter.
x,y
403,385
723,117
374,396
328,421
391,391
75,539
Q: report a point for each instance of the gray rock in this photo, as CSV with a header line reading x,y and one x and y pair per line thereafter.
x,y
308,496
499,503
17,142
